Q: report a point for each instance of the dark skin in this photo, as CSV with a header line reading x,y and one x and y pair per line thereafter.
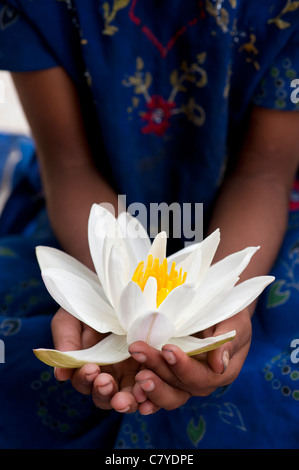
x,y
252,210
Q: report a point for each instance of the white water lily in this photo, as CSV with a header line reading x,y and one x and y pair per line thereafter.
x,y
137,293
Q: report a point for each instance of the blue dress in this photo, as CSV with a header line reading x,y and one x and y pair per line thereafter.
x,y
165,89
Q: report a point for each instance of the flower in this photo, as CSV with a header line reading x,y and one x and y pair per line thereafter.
x,y
157,116
137,293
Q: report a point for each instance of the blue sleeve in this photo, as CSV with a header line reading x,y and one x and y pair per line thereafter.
x,y
279,87
22,47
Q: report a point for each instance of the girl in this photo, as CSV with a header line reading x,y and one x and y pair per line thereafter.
x,y
172,101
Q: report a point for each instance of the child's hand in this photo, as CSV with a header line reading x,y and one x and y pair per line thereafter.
x,y
171,377
110,386
168,378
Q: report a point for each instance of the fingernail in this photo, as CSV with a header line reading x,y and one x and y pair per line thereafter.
x,y
146,385
57,379
124,410
90,377
169,356
139,356
105,389
225,360
147,412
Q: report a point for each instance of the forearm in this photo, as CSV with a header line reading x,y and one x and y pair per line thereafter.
x,y
69,199
252,208
70,180
252,211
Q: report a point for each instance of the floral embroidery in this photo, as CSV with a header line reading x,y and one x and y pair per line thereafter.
x,y
276,84
228,413
164,49
282,375
251,51
157,116
196,430
221,15
278,21
159,111
10,326
214,8
110,13
137,430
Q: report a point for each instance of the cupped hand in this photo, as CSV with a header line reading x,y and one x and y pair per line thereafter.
x,y
170,377
152,379
111,386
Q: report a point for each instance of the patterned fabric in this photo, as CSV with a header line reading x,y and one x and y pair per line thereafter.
x,y
165,89
171,81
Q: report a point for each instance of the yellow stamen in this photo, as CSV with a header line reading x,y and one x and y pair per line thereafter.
x,y
166,282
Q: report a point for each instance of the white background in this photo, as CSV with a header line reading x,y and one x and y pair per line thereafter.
x,y
12,118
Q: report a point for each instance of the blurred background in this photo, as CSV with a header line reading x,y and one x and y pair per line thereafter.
x,y
15,143
12,118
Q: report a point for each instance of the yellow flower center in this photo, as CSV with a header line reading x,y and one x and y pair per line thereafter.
x,y
166,282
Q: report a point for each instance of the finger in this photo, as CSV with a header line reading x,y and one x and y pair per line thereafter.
x,y
69,334
164,364
151,358
66,333
104,387
158,393
113,388
148,408
124,400
193,376
145,406
219,359
139,394
83,378
63,374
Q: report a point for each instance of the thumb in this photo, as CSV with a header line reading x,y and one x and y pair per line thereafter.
x,y
219,359
66,332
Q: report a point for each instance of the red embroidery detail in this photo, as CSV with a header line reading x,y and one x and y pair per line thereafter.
x,y
157,116
164,49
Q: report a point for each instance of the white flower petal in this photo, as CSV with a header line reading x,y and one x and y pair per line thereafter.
x,y
98,222
117,274
204,300
136,236
81,299
192,345
49,257
177,303
116,259
192,265
198,262
239,298
154,328
132,304
236,262
113,303
182,254
158,248
150,293
110,350
217,284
